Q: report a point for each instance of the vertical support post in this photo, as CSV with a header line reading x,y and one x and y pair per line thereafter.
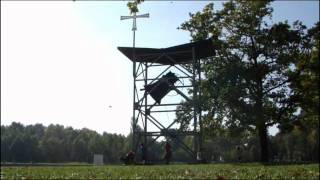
x,y
200,107
146,113
195,106
134,92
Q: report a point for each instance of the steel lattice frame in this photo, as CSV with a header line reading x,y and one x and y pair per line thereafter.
x,y
142,109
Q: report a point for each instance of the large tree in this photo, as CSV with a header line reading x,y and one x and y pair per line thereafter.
x,y
246,85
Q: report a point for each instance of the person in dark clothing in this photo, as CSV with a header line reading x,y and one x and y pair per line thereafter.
x,y
143,153
128,158
168,154
239,153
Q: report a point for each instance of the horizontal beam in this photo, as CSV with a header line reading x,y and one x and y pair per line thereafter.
x,y
161,111
142,89
173,104
163,53
184,86
157,65
151,79
159,133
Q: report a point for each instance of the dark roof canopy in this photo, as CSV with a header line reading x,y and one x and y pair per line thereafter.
x,y
181,54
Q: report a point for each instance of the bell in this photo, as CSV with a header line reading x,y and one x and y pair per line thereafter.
x,y
162,87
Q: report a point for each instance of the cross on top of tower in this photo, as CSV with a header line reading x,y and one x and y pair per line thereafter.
x,y
134,17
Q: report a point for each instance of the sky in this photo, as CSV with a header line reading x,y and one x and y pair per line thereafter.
x,y
60,63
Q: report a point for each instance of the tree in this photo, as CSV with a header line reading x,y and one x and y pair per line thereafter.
x,y
33,134
53,143
247,83
133,6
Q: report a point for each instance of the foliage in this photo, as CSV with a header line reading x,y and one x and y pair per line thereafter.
x,y
250,83
133,6
209,171
55,143
306,85
295,146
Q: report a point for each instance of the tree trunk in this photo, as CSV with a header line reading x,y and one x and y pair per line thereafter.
x,y
263,137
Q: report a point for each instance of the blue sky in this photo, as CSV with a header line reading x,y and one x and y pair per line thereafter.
x,y
60,63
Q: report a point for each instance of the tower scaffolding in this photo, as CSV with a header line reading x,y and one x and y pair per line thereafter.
x,y
184,59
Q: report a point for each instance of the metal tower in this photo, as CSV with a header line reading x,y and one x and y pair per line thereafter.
x,y
154,80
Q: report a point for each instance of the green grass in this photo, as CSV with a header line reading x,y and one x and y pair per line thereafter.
x,y
208,171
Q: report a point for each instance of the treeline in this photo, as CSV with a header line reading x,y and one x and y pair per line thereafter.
x,y
56,143
59,144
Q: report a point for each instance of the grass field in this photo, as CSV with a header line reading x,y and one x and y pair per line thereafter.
x,y
206,171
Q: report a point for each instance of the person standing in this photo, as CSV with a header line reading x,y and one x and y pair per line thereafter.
x,y
168,152
143,153
239,152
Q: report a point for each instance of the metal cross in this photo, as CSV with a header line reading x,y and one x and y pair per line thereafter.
x,y
134,28
134,17
134,25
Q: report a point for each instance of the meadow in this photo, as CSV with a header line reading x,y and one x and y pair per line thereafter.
x,y
201,171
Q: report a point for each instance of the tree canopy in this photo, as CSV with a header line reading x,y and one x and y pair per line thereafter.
x,y
261,71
